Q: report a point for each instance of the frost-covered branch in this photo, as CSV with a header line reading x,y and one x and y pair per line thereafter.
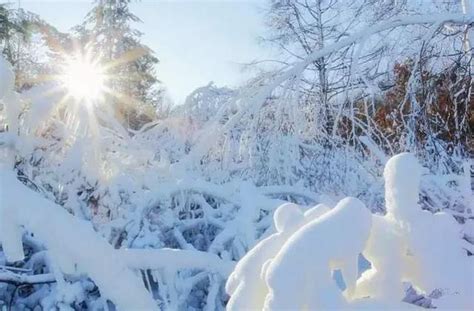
x,y
295,72
175,260
369,31
19,279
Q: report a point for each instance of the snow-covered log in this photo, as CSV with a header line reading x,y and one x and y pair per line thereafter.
x,y
19,279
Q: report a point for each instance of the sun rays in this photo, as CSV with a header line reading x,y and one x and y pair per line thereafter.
x,y
84,79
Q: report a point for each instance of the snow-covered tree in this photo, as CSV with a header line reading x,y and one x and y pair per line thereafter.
x,y
108,33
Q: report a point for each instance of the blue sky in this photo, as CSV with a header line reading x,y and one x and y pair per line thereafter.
x,y
196,41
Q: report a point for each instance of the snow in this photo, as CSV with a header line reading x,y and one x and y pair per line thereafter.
x,y
437,261
386,248
316,211
8,97
7,78
293,268
308,256
222,191
245,285
175,259
74,245
384,251
280,271
287,217
10,233
261,274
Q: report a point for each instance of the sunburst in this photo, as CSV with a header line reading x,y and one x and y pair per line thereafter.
x,y
84,79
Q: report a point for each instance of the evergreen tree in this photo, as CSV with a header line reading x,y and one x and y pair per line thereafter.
x,y
22,43
11,26
108,33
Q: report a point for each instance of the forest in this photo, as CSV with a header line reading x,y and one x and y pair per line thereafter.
x,y
340,175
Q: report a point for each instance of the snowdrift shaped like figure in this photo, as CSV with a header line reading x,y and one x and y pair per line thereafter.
x,y
292,268
387,246
300,276
415,246
246,285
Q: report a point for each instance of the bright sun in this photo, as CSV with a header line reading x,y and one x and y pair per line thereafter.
x,y
84,79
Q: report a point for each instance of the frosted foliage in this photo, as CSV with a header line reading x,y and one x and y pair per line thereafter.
x,y
8,97
95,215
10,233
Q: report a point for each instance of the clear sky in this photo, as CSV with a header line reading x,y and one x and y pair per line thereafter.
x,y
197,41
